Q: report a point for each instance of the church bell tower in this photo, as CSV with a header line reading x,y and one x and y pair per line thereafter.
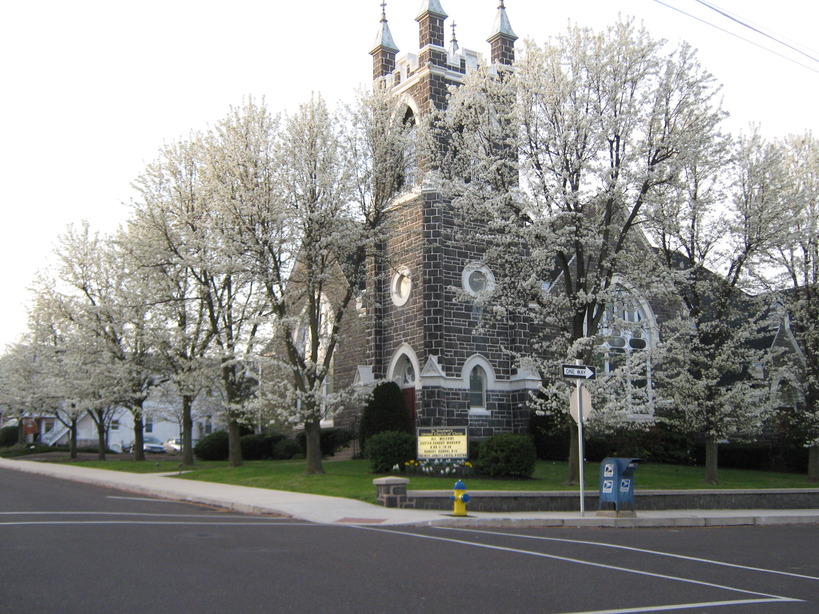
x,y
425,329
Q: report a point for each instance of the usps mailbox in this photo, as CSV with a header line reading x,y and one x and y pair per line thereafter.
x,y
617,483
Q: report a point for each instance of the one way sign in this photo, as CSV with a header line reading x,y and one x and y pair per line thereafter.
x,y
578,371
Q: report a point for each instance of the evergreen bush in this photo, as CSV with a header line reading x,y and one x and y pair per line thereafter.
x,y
214,447
259,446
508,455
8,436
388,449
286,449
551,436
386,410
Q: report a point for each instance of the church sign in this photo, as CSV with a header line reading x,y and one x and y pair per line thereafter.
x,y
442,442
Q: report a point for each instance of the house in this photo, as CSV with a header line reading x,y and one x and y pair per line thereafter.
x,y
162,420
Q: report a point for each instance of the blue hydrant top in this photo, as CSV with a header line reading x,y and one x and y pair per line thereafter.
x,y
459,485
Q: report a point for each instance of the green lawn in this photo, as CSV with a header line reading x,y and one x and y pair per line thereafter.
x,y
353,480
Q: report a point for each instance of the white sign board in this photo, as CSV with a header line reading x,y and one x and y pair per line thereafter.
x,y
587,405
442,442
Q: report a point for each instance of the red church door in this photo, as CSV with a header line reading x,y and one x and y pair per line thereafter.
x,y
409,397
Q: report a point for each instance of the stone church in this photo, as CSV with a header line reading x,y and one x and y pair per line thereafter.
x,y
422,325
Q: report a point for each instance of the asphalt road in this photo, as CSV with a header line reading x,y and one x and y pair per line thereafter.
x,y
71,548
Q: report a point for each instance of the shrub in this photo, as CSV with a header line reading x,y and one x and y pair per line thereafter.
x,y
508,455
214,447
24,449
475,449
259,446
285,449
388,449
330,440
551,435
8,436
386,410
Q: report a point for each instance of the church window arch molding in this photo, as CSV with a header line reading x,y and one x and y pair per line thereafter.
x,y
478,378
628,323
410,117
404,368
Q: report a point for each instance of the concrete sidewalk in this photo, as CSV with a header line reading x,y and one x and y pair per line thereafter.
x,y
336,510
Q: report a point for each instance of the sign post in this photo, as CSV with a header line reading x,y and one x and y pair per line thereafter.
x,y
579,373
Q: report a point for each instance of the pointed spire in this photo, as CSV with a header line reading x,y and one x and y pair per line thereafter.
x,y
431,33
502,27
502,39
433,7
384,37
384,49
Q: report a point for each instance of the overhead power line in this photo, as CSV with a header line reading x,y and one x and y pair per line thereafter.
x,y
742,38
755,29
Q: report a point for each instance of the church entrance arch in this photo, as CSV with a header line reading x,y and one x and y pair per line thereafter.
x,y
404,371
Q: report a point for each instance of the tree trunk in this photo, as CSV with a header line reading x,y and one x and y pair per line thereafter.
x,y
312,430
72,439
813,463
101,439
711,460
573,475
234,445
187,430
137,449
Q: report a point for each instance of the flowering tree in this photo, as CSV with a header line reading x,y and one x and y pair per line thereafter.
x,y
167,237
796,261
308,240
594,125
712,227
100,299
260,231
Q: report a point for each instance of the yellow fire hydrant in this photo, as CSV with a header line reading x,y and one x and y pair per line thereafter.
x,y
460,498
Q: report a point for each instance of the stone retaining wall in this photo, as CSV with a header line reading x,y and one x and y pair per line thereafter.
x,y
499,501
560,501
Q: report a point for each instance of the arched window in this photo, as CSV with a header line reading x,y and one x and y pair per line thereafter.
x,y
477,388
626,332
410,153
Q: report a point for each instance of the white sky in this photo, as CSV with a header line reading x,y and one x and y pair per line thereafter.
x,y
91,89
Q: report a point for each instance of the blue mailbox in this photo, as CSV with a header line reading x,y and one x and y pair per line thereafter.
x,y
617,483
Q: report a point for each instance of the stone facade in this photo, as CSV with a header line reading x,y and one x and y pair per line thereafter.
x,y
434,341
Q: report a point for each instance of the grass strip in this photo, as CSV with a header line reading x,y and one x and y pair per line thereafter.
x,y
352,479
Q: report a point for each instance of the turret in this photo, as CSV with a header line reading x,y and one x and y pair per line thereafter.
x,y
431,34
384,49
502,39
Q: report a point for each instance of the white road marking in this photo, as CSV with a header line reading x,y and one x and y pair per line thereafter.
x,y
148,522
142,499
767,598
640,550
684,606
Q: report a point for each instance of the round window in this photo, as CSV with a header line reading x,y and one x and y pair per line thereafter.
x,y
401,286
478,280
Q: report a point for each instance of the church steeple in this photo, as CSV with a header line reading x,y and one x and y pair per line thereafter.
x,y
502,38
384,49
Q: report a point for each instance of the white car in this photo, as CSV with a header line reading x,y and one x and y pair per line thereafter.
x,y
152,444
173,446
